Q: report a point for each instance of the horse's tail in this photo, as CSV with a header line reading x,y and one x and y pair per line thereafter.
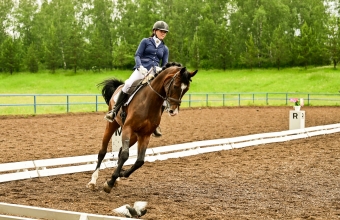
x,y
109,86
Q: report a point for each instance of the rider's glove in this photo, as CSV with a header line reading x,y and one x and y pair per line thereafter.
x,y
158,69
143,70
150,77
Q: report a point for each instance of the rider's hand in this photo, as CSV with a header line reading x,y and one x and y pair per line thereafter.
x,y
150,77
158,69
143,70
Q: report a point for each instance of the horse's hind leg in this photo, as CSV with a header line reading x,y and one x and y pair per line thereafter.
x,y
143,143
109,130
128,140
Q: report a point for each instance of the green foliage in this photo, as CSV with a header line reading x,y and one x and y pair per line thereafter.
x,y
221,51
53,55
251,56
195,52
10,54
121,59
333,42
74,48
206,34
305,44
96,48
32,62
279,47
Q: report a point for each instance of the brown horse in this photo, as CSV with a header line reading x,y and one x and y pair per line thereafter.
x,y
143,115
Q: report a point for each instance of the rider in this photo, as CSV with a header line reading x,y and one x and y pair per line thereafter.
x,y
148,55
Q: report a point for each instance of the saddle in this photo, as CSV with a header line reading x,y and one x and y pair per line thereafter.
x,y
132,91
135,87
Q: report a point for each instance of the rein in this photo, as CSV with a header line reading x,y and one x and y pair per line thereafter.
x,y
168,98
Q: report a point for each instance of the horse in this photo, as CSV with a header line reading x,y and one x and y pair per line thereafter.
x,y
142,116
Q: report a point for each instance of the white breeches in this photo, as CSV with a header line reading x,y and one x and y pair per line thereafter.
x,y
136,75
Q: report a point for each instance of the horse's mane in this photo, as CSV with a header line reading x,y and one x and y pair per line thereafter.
x,y
185,78
171,64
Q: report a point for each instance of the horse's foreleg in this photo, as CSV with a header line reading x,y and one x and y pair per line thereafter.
x,y
124,155
133,140
142,145
139,162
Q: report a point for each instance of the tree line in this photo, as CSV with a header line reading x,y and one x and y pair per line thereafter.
x,y
210,34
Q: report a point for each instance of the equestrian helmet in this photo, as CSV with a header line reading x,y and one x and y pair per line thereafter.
x,y
161,25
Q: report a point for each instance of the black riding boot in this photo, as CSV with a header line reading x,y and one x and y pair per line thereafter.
x,y
110,116
157,132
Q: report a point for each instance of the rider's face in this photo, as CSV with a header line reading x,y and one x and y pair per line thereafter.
x,y
161,34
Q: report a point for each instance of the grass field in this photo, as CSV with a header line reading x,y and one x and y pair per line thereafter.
x,y
321,80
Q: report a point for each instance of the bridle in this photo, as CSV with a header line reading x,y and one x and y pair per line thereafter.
x,y
167,97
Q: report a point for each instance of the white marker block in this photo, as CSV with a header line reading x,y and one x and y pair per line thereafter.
x,y
296,119
117,141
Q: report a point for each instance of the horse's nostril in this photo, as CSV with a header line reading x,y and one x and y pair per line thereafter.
x,y
171,111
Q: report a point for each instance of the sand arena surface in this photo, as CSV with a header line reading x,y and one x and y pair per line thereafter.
x,y
297,179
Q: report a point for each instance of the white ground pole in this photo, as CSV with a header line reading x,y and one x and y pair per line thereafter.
x,y
17,212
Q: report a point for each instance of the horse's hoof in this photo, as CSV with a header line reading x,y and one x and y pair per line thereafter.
x,y
91,186
107,188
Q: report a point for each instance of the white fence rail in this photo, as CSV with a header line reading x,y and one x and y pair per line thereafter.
x,y
38,103
58,166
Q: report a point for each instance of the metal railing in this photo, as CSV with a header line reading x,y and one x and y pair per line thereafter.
x,y
61,103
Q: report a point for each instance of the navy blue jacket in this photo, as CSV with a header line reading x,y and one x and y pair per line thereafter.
x,y
148,55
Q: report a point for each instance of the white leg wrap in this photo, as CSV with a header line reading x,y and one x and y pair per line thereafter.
x,y
93,181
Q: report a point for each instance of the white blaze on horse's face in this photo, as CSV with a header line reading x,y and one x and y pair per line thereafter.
x,y
176,111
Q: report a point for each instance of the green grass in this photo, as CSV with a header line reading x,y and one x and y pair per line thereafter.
x,y
61,82
313,80
316,80
291,80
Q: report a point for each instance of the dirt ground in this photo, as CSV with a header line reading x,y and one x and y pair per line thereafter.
x,y
297,179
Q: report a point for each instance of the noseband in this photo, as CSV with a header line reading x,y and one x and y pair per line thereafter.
x,y
167,97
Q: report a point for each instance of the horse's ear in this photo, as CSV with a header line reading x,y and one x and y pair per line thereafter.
x,y
192,74
183,70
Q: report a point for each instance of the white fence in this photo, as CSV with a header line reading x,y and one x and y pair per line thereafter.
x,y
38,103
57,166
